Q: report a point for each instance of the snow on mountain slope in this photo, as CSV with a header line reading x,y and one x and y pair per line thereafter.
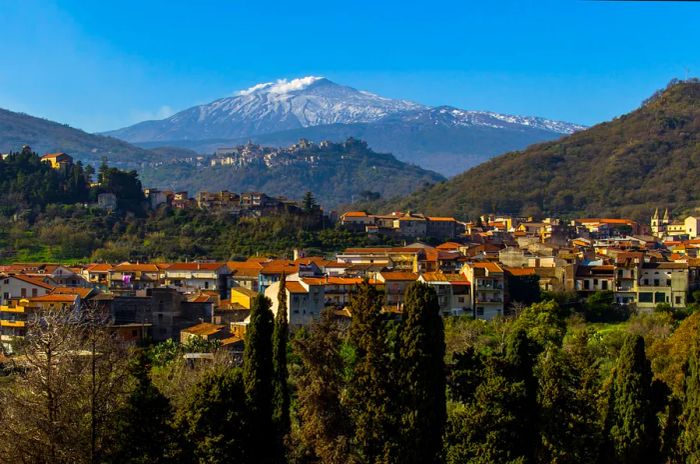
x,y
308,102
270,107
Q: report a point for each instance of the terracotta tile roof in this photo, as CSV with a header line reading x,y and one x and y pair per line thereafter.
x,y
279,266
293,286
195,266
82,292
521,271
491,267
449,246
396,275
129,267
55,298
200,298
355,214
99,268
204,329
383,250
32,281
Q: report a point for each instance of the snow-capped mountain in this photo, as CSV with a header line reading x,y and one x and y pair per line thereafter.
x,y
309,102
270,107
454,117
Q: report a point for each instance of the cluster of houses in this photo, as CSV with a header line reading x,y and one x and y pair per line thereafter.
x,y
479,274
246,204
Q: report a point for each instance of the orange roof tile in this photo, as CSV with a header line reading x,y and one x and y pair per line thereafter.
x,y
204,328
293,286
82,292
355,214
195,266
396,275
55,298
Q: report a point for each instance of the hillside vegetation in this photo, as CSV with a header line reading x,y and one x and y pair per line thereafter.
x,y
44,136
641,160
338,173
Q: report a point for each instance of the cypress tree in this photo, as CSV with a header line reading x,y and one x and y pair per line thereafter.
x,y
214,419
257,379
422,376
568,431
144,432
325,429
691,406
369,394
632,426
280,398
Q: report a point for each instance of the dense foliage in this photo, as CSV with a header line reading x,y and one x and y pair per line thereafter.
x,y
645,159
538,388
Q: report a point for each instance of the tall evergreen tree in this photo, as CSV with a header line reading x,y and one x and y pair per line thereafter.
x,y
422,376
520,357
325,429
279,363
214,419
257,379
632,425
568,431
369,391
691,406
144,432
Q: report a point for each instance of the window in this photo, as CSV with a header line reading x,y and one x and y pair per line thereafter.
x,y
646,281
479,310
586,284
34,292
460,299
595,282
160,318
206,285
668,282
23,292
646,297
660,297
656,282
678,300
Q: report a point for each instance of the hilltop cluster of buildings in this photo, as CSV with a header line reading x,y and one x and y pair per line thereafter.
x,y
479,273
252,154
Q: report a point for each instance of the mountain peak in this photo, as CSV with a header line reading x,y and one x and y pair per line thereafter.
x,y
282,85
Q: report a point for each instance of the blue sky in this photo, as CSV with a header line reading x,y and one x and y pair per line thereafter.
x,y
107,64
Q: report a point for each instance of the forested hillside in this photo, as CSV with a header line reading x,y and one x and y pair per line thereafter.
x,y
641,160
336,173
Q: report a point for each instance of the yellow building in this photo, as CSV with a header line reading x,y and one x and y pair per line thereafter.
x,y
57,160
243,296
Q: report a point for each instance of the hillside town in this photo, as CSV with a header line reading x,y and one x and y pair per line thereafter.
x,y
483,269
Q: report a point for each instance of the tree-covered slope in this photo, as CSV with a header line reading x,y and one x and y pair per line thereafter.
x,y
638,161
44,136
335,173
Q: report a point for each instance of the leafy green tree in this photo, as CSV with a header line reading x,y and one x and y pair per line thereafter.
x,y
422,376
691,406
214,421
631,424
144,432
258,379
279,364
369,395
325,428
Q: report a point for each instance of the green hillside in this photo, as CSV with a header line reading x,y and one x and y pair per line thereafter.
x,y
340,173
638,161
44,136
